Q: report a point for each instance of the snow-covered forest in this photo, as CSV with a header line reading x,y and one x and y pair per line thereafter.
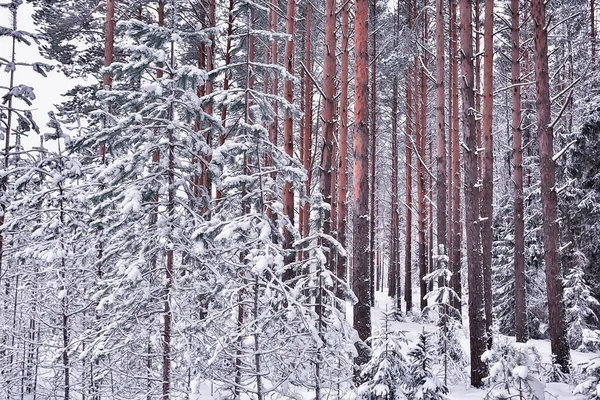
x,y
299,199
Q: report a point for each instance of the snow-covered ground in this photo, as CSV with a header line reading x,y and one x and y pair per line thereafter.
x,y
464,391
458,391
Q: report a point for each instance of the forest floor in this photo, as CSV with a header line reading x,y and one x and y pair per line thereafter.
x,y
458,381
461,389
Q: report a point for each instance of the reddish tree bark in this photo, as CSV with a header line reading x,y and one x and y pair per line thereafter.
x,y
456,173
421,182
519,210
373,143
473,230
488,163
394,267
342,193
545,135
360,282
449,185
441,131
328,127
288,126
410,115
308,113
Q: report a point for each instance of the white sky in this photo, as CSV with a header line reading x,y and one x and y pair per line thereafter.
x,y
48,90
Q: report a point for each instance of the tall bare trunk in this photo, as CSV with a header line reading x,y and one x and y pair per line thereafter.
x,y
410,116
593,32
456,279
545,134
421,183
288,133
519,210
342,193
361,284
329,71
308,113
169,265
475,272
441,131
394,268
219,194
373,143
488,163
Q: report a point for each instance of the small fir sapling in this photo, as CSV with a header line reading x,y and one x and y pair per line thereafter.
x,y
514,370
579,304
449,349
590,387
387,374
423,382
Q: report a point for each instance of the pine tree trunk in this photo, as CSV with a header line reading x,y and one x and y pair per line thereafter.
x,y
373,143
393,272
593,32
361,284
421,183
288,133
411,117
342,193
545,134
475,272
329,75
449,186
456,279
441,134
169,265
219,194
519,211
488,163
308,113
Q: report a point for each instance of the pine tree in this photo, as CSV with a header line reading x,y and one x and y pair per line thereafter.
x,y
424,384
387,374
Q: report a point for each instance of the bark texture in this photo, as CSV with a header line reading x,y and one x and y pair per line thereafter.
x,y
473,229
360,278
519,210
554,284
488,163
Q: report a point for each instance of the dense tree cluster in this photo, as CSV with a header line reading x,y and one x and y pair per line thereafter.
x,y
200,214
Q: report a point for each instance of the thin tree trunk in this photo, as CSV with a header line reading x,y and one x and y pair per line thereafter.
x,y
288,133
219,194
410,117
421,183
373,145
169,266
456,172
519,211
342,193
361,284
488,163
308,113
593,32
441,134
475,272
545,134
394,268
328,127
449,185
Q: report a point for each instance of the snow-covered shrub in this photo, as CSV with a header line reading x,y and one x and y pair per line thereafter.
x,y
590,387
423,383
513,371
386,374
579,304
